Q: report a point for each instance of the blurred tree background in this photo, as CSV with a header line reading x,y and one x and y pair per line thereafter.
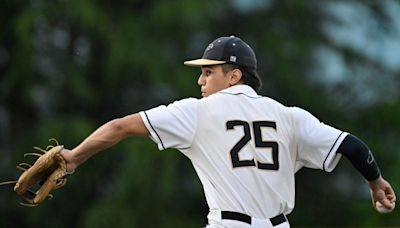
x,y
66,67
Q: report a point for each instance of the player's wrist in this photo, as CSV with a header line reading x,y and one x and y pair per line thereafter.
x,y
68,156
374,184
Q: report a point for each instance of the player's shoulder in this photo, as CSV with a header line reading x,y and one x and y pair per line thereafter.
x,y
298,111
291,112
302,116
186,101
184,104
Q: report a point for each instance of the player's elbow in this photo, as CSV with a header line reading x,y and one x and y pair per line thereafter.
x,y
130,125
118,127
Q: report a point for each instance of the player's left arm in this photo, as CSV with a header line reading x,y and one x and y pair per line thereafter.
x,y
361,157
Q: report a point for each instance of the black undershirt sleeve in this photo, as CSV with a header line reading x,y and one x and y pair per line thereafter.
x,y
360,157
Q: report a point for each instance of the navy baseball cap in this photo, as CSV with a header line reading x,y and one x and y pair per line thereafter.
x,y
230,50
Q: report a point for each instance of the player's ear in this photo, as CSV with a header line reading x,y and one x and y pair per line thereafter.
x,y
236,77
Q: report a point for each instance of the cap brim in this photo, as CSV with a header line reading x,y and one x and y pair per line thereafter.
x,y
203,62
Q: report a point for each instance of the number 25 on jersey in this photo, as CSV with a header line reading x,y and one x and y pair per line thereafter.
x,y
258,142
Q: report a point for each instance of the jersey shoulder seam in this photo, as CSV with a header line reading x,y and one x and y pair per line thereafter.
x,y
158,136
330,151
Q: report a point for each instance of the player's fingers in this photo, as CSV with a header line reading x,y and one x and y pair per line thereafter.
x,y
391,198
386,203
390,195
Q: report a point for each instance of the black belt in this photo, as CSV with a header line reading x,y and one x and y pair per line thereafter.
x,y
279,219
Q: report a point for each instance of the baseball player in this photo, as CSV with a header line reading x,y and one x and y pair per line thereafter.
x,y
245,148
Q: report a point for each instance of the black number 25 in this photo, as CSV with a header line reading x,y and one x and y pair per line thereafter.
x,y
259,143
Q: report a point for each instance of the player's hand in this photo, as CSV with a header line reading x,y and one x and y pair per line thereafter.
x,y
68,156
382,191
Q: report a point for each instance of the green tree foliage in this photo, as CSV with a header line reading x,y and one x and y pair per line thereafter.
x,y
66,67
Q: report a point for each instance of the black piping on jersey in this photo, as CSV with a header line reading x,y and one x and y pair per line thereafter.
x,y
241,94
327,156
159,138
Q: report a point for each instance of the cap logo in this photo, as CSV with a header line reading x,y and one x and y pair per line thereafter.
x,y
233,58
210,46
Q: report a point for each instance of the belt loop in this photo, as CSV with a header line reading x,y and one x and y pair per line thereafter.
x,y
214,215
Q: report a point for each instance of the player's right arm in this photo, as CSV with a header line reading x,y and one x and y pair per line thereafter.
x,y
103,138
361,157
313,135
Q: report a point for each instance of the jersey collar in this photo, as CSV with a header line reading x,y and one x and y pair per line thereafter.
x,y
240,89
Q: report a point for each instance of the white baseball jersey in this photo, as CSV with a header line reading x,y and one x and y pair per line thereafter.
x,y
245,148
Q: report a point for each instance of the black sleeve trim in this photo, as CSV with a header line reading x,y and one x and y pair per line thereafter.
x,y
158,136
360,157
330,151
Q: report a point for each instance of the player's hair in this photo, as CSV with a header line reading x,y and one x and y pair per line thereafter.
x,y
250,76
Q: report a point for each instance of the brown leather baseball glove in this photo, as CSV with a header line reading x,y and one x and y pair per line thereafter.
x,y
48,173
